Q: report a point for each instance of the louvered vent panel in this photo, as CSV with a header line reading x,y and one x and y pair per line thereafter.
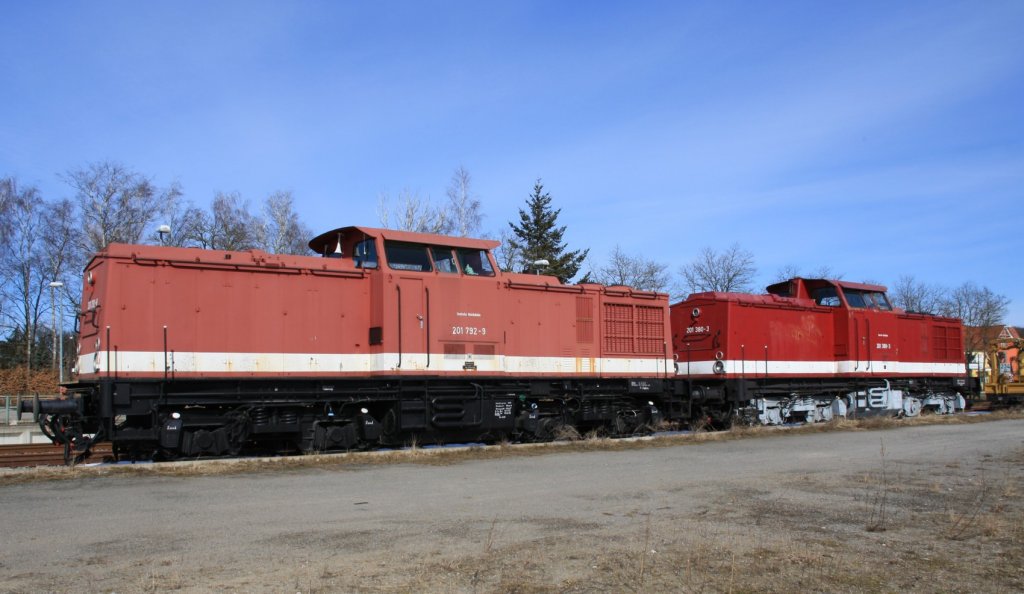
x,y
584,320
649,329
618,328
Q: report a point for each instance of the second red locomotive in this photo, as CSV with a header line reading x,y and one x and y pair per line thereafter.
x,y
814,349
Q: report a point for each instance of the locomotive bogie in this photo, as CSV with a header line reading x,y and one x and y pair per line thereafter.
x,y
795,409
944,403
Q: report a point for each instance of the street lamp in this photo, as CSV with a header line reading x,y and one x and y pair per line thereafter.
x,y
539,265
163,230
53,303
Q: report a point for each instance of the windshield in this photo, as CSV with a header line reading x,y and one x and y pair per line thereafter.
x,y
867,299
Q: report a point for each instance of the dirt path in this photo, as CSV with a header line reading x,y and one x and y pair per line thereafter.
x,y
920,508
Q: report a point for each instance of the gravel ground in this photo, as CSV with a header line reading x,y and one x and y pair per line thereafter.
x,y
921,508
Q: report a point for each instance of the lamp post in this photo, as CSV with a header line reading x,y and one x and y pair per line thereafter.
x,y
57,345
163,230
539,265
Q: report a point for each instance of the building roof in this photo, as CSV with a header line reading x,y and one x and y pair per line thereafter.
x,y
983,335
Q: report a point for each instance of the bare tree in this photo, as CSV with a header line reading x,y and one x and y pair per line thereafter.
x,y
507,255
186,221
464,206
916,296
116,204
8,193
189,225
412,213
978,307
281,231
786,272
461,215
60,237
732,270
24,264
633,271
790,271
229,226
39,246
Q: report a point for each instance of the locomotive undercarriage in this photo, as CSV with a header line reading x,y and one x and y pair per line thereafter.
x,y
192,418
151,419
814,401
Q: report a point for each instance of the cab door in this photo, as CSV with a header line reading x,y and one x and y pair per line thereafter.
x,y
412,316
872,331
860,347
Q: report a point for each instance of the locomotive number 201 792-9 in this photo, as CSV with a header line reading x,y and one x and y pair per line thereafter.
x,y
468,331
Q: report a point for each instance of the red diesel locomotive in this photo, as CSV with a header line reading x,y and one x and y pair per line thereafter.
x,y
388,336
813,349
385,337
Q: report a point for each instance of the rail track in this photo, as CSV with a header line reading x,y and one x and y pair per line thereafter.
x,y
42,454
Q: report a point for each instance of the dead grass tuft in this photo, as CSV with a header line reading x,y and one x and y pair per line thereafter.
x,y
567,433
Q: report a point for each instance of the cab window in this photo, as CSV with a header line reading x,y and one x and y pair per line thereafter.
x,y
871,299
867,299
856,299
826,296
475,262
365,254
444,260
407,256
881,301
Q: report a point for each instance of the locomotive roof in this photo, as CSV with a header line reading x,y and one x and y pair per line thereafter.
x,y
794,290
328,239
781,287
860,286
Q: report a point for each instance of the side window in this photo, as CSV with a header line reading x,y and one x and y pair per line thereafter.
x,y
475,263
444,259
827,296
365,254
407,256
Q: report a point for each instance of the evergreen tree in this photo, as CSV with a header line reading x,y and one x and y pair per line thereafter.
x,y
537,237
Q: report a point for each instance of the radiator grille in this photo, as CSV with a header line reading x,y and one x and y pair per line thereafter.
x,y
633,329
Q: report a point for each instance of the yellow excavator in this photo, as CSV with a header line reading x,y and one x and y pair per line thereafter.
x,y
1004,384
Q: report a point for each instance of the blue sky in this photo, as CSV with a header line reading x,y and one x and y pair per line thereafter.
x,y
877,138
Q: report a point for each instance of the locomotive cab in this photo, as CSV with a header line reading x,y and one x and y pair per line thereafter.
x,y
831,293
865,331
407,251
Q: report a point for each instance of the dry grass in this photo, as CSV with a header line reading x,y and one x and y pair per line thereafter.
x,y
798,535
947,527
571,441
814,547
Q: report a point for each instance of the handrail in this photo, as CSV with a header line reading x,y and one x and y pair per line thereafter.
x,y
426,291
274,267
398,288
